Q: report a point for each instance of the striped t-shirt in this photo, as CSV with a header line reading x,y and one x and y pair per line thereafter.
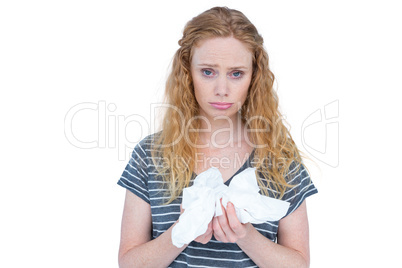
x,y
140,178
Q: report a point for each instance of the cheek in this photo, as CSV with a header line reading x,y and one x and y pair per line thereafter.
x,y
201,88
244,88
197,87
198,92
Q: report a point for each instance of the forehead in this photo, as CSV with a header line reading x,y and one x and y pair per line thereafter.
x,y
222,51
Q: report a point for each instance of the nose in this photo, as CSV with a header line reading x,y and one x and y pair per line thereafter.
x,y
221,87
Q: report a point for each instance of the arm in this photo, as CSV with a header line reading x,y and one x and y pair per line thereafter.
x,y
136,247
292,249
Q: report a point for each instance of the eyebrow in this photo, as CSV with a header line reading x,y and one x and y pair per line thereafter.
x,y
216,65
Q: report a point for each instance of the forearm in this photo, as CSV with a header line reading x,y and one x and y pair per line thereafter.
x,y
159,252
266,253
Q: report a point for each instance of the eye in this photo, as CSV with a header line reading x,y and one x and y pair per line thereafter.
x,y
207,72
237,74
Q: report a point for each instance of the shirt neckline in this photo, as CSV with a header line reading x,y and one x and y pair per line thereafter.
x,y
243,167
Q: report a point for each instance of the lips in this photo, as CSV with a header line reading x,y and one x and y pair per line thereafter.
x,y
221,105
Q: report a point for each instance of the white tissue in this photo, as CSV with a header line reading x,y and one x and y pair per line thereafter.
x,y
201,202
251,206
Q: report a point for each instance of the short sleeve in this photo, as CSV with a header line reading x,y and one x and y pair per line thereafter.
x,y
301,186
135,176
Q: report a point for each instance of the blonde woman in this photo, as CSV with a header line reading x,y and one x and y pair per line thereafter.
x,y
223,113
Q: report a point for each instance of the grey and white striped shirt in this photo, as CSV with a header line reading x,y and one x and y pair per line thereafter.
x,y
139,177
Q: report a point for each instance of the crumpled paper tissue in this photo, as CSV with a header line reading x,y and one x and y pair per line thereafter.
x,y
201,202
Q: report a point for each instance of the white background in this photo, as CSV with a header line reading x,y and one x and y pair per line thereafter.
x,y
60,205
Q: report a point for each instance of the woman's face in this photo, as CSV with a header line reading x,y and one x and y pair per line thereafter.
x,y
221,69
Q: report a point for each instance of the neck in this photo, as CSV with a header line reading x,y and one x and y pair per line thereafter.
x,y
219,132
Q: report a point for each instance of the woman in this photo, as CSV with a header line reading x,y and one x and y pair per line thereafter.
x,y
224,114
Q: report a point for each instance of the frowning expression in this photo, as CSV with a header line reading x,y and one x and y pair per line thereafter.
x,y
221,69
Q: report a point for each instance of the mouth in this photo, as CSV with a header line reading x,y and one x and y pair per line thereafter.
x,y
221,105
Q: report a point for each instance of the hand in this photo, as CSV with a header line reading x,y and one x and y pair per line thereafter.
x,y
227,227
204,238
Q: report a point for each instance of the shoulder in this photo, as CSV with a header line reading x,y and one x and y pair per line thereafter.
x,y
145,146
296,173
141,155
139,169
300,185
149,140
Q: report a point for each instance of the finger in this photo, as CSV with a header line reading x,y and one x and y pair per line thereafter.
x,y
208,234
224,223
207,237
218,232
210,226
234,223
204,238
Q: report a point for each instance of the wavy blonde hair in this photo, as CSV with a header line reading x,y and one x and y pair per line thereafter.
x,y
275,149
